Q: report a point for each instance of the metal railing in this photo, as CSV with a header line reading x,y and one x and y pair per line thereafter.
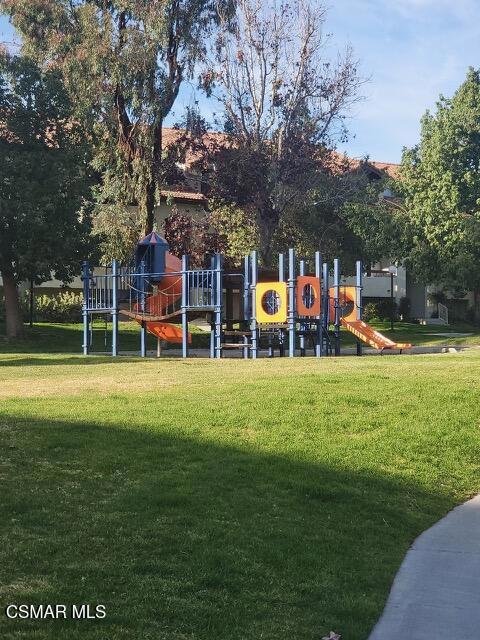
x,y
131,285
200,289
443,312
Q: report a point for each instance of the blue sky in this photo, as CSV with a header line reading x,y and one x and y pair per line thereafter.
x,y
412,50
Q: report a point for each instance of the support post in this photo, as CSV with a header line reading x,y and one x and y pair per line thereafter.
x,y
31,306
303,325
326,308
228,307
114,308
281,278
319,333
143,297
85,306
246,302
392,302
358,298
212,315
184,308
218,305
291,303
336,304
253,321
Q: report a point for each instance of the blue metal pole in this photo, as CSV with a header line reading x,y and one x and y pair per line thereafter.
x,y
114,308
253,322
212,315
246,301
85,306
319,337
303,325
291,303
143,327
336,285
358,296
281,278
326,295
185,290
218,305
326,307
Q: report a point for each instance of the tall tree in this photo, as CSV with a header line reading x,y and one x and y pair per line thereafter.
x,y
284,103
43,180
123,62
378,224
440,183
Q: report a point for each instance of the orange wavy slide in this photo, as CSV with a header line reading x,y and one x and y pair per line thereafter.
x,y
367,334
166,331
157,304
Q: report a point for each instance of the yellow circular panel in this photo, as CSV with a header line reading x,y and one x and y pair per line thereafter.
x,y
271,302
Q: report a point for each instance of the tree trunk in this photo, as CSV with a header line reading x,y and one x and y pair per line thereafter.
x,y
12,305
154,178
268,221
150,206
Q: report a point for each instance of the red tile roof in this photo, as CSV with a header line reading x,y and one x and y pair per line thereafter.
x,y
390,168
193,196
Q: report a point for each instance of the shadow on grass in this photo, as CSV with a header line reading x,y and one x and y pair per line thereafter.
x,y
66,360
184,539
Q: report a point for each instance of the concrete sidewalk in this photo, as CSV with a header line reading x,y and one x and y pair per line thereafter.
x,y
436,593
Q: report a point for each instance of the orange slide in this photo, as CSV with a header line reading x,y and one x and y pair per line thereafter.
x,y
359,328
166,331
158,305
367,334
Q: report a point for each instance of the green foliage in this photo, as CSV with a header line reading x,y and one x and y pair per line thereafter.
x,y
43,181
65,306
117,228
370,312
440,182
123,63
238,229
43,175
321,223
381,309
379,223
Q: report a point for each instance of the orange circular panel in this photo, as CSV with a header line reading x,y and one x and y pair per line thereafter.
x,y
308,296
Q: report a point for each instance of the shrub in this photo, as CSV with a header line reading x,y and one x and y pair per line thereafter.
x,y
62,307
470,315
370,312
380,310
386,308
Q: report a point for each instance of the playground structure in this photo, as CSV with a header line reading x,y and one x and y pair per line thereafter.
x,y
291,313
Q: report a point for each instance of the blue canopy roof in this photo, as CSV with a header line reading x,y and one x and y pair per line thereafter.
x,y
153,238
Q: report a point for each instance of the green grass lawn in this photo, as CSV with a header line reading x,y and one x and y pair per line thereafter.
x,y
47,337
230,500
